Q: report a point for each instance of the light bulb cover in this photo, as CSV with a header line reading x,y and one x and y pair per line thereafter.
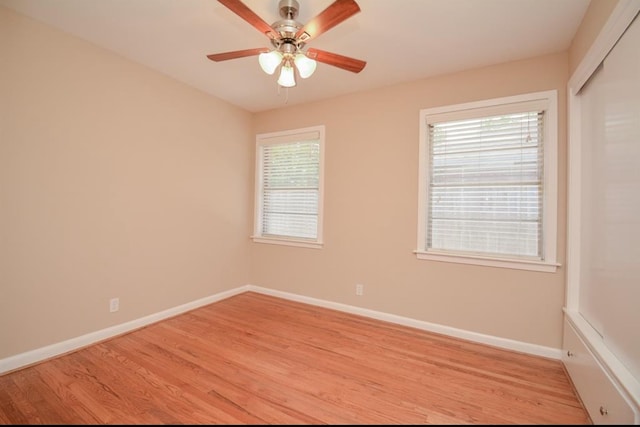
x,y
306,66
269,61
287,76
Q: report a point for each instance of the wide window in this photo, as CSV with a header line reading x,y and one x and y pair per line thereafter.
x,y
488,182
289,193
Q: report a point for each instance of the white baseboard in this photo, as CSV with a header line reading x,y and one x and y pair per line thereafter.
x,y
537,350
40,354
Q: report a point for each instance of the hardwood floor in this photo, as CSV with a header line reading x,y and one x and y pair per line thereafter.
x,y
256,359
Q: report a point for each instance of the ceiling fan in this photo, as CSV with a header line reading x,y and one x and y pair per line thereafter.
x,y
288,38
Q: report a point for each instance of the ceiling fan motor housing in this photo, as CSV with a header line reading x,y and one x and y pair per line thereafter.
x,y
287,28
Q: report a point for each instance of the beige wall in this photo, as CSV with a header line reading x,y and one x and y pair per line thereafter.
x,y
371,209
594,19
115,181
118,181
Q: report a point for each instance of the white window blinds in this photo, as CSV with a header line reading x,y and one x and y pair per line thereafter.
x,y
289,186
290,189
486,185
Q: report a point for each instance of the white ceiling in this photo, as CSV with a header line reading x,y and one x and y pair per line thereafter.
x,y
401,40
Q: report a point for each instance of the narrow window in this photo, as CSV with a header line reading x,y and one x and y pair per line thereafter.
x,y
289,189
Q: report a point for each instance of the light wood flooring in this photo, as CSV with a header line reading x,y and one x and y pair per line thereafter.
x,y
257,359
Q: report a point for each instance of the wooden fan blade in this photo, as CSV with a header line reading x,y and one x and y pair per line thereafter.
x,y
236,54
240,9
344,62
334,14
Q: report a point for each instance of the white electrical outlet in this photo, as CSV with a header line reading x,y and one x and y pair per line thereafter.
x,y
114,305
359,289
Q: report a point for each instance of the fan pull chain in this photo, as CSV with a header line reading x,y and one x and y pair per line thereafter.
x,y
286,93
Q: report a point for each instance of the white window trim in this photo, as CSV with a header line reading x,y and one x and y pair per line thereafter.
x,y
278,138
550,203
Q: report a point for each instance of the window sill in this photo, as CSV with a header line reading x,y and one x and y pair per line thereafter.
x,y
547,267
288,242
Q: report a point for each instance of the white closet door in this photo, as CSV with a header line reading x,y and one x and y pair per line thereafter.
x,y
592,253
610,211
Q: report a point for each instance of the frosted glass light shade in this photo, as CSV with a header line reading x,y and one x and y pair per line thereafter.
x,y
306,66
287,77
269,61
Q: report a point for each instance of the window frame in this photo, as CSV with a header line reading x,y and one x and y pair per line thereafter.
x,y
280,138
486,108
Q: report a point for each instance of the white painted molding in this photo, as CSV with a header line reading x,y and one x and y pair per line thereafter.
x,y
537,350
613,29
574,201
40,354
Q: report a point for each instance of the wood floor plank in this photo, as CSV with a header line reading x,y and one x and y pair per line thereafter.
x,y
258,359
217,384
14,409
35,394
